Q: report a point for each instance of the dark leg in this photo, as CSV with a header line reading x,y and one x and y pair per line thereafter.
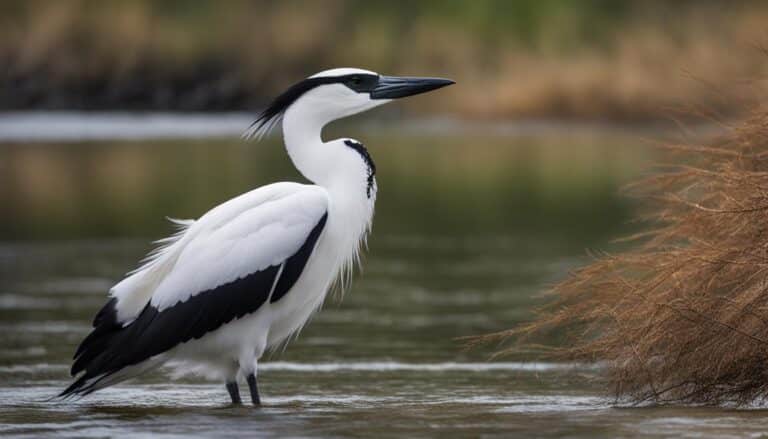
x,y
254,386
234,392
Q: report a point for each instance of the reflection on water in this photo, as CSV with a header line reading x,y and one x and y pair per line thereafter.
x,y
468,229
444,183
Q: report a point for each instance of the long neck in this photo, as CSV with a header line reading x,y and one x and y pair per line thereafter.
x,y
341,166
336,165
302,130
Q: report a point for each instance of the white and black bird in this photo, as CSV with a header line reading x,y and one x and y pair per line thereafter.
x,y
249,273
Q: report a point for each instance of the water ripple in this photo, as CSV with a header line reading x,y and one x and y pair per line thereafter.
x,y
394,366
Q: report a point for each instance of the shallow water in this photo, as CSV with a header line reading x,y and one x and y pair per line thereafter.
x,y
468,230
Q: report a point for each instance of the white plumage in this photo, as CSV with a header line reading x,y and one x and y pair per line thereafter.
x,y
250,272
248,233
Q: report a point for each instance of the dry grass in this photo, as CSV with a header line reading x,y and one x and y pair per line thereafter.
x,y
646,68
141,53
683,316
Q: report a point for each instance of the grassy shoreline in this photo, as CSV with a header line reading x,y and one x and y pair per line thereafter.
x,y
553,59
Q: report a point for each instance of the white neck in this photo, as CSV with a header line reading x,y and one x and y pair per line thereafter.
x,y
338,168
302,130
333,164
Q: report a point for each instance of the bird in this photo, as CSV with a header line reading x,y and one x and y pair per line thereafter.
x,y
247,275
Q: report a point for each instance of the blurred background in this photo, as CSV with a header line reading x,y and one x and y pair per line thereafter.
x,y
117,113
524,58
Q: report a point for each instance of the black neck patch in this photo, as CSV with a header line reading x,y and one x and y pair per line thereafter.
x,y
360,148
359,82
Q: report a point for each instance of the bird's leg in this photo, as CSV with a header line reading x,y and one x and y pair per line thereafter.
x,y
248,361
254,387
234,392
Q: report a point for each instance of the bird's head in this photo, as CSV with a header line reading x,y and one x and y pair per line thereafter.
x,y
337,93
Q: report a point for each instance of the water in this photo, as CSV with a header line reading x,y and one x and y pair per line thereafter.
x,y
469,228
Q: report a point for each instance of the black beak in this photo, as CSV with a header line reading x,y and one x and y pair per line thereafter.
x,y
393,87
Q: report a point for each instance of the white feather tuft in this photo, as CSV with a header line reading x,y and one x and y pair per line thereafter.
x,y
163,244
258,130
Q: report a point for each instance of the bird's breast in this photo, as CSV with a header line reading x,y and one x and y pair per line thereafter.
x,y
334,257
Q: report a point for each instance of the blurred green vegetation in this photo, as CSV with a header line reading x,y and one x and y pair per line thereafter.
x,y
500,22
591,58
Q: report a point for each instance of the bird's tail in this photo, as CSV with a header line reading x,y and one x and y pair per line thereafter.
x,y
98,362
84,385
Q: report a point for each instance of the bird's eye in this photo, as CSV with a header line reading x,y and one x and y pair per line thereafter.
x,y
356,80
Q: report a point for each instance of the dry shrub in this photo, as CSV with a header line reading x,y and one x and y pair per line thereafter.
x,y
683,315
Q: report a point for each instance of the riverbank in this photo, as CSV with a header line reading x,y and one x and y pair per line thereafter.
x,y
626,62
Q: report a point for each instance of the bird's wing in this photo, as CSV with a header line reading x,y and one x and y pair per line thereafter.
x,y
227,264
257,240
131,295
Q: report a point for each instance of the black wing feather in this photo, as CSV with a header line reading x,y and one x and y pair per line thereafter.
x,y
111,346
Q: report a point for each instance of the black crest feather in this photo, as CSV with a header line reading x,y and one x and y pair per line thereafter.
x,y
269,117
